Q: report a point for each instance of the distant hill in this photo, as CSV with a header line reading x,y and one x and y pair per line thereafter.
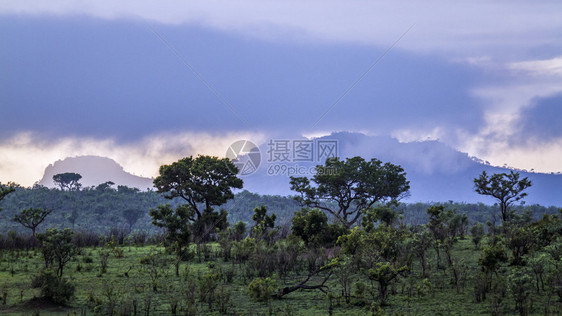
x,y
437,172
94,170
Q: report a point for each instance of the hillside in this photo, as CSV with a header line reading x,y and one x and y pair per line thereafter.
x,y
103,208
94,171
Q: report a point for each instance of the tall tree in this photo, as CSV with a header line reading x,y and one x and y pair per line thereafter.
x,y
132,215
31,218
347,188
203,180
68,181
507,188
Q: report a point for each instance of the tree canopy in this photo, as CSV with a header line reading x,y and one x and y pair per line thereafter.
x,y
68,181
32,217
346,188
203,180
505,187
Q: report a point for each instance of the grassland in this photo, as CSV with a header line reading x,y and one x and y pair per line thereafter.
x,y
151,287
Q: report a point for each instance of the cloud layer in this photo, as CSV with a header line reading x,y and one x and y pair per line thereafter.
x,y
23,157
481,28
139,81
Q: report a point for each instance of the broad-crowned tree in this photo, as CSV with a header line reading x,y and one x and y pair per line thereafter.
x,y
345,188
31,218
68,181
205,180
507,188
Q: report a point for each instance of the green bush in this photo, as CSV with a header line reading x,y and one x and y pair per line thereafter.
x,y
55,289
262,289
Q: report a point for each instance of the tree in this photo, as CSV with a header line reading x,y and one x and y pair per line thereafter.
x,y
381,254
106,186
477,232
346,188
506,188
438,226
203,180
178,228
384,273
239,230
6,189
309,224
421,241
132,215
312,226
262,220
68,181
57,246
492,257
72,217
380,213
31,218
519,284
264,227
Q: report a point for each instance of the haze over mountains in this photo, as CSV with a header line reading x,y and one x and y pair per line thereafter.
x,y
436,171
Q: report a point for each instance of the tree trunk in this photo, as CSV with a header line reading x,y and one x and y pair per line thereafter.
x,y
304,286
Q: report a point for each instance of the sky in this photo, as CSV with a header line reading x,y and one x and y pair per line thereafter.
x,y
147,83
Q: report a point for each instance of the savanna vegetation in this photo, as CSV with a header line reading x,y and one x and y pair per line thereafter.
x,y
344,244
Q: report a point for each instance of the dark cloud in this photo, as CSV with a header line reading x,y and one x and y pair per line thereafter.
x,y
87,77
542,121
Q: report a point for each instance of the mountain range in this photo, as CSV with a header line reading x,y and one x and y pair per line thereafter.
x,y
437,172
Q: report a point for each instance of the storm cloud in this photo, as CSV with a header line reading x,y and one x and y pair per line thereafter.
x,y
481,77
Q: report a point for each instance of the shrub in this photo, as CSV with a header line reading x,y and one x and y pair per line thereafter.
x,y
520,286
262,289
207,284
55,289
360,290
477,232
224,299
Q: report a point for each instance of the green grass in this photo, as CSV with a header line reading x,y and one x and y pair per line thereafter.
x,y
91,285
127,280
